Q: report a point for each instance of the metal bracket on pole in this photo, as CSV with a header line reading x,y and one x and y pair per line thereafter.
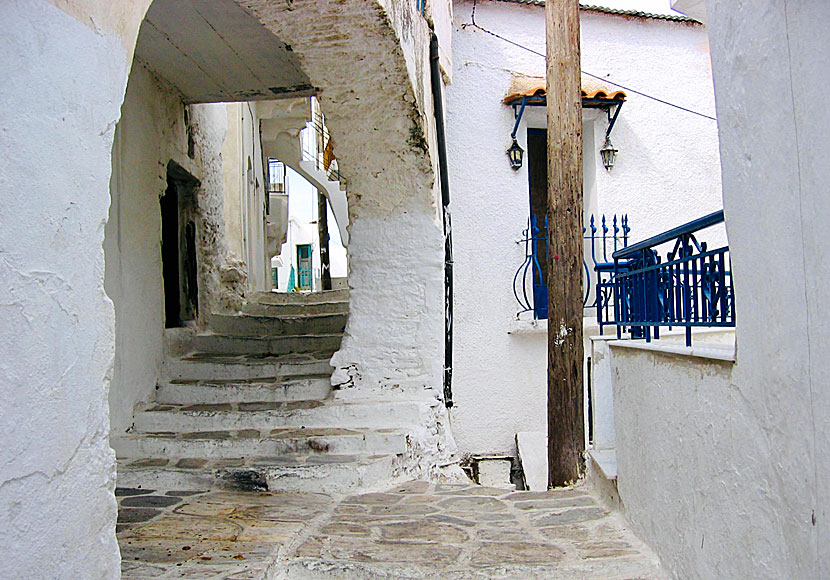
x,y
518,116
612,120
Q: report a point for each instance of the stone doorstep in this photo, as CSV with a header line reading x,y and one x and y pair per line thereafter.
x,y
229,344
225,368
302,473
266,326
276,310
264,416
299,297
314,387
254,443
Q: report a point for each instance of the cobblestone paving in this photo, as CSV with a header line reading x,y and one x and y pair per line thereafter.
x,y
414,530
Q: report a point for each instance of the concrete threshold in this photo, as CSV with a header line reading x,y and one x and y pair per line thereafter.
x,y
413,530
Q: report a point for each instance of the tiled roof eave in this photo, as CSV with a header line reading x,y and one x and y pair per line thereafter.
x,y
616,11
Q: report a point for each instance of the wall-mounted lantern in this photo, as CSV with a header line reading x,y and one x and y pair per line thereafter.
x,y
608,154
515,154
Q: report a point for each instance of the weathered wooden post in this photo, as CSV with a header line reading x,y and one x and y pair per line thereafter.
x,y
566,430
323,237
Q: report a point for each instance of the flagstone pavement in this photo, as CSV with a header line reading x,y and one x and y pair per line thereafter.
x,y
414,530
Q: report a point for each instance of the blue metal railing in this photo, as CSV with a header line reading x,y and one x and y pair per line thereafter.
x,y
692,287
604,239
421,6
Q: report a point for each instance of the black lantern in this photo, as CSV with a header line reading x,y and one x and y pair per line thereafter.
x,y
608,153
515,154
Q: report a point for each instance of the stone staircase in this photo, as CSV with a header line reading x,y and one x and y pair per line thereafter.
x,y
248,405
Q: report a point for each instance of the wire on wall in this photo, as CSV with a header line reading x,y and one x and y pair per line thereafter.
x,y
605,80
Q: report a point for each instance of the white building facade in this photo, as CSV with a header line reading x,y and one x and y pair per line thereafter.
x,y
667,172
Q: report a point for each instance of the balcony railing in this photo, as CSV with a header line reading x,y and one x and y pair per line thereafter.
x,y
601,240
317,144
691,287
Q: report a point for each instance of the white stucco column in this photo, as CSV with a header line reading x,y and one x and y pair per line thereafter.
x,y
64,77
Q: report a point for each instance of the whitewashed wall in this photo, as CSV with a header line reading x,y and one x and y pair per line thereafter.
x,y
244,194
763,436
150,133
132,238
58,121
667,172
57,324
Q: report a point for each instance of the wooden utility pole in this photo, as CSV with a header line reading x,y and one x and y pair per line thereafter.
x,y
566,429
323,237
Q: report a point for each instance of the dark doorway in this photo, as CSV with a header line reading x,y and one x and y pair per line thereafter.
x,y
537,169
178,247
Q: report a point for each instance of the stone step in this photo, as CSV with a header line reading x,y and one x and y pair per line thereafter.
x,y
308,473
291,309
185,392
253,443
204,366
267,326
264,416
324,344
341,295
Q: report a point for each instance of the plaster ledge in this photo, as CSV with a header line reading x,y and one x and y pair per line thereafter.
x,y
540,326
528,327
712,352
606,460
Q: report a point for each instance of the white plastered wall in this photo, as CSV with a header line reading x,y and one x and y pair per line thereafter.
x,y
763,439
667,172
152,132
58,122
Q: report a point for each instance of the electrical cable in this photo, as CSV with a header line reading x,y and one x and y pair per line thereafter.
x,y
625,88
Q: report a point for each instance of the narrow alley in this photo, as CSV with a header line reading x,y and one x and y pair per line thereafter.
x,y
413,530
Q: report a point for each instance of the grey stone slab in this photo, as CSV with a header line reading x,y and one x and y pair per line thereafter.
x,y
247,434
134,515
605,549
451,520
476,490
431,556
423,531
208,435
497,554
472,504
571,516
345,529
207,408
551,494
413,487
150,462
373,499
572,532
326,458
150,501
191,463
403,510
129,491
557,503
511,534
230,462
